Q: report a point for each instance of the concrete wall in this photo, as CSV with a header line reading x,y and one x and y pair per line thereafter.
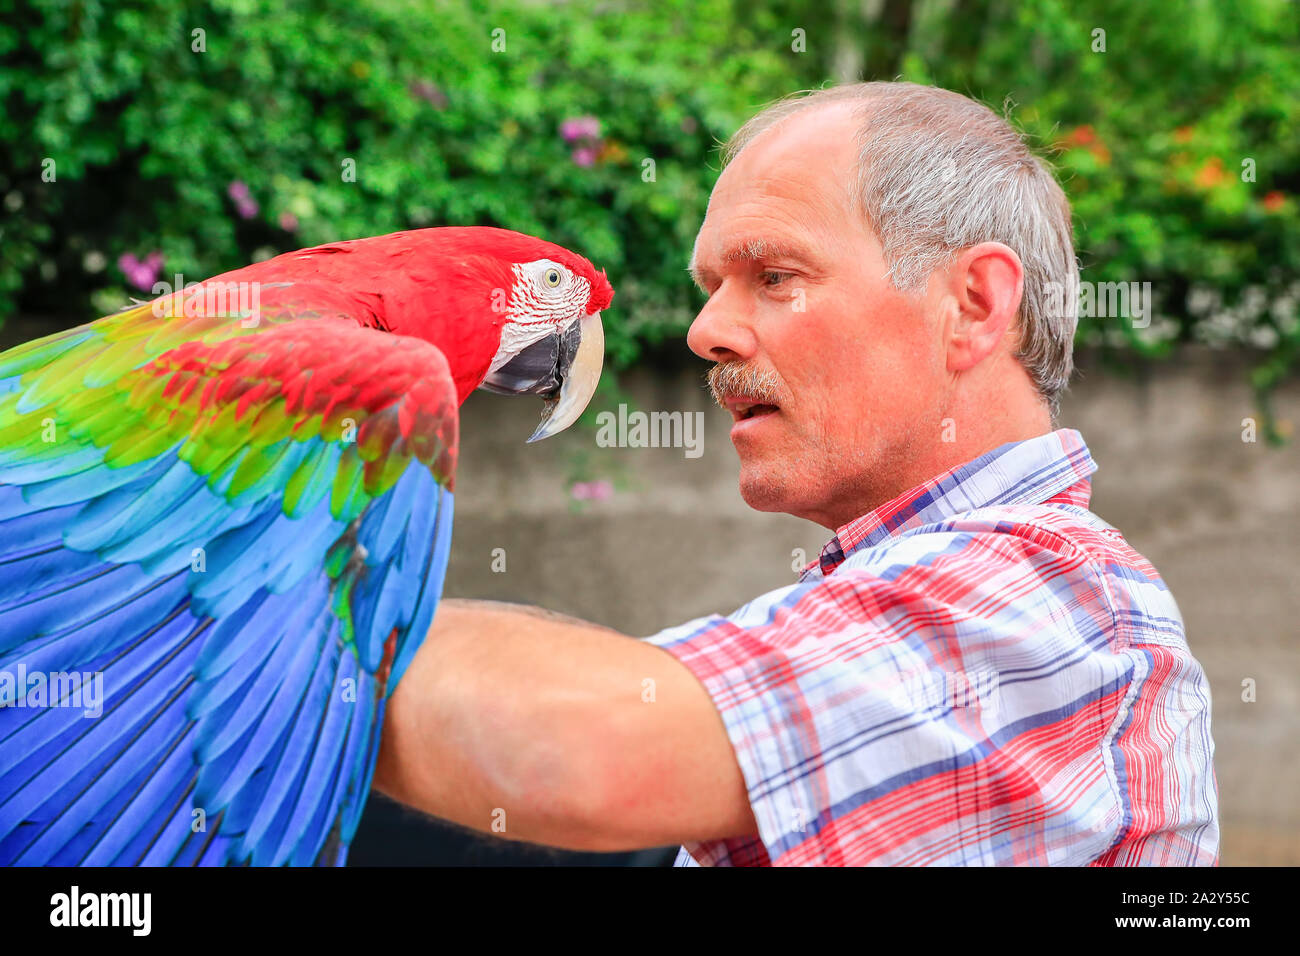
x,y
1217,516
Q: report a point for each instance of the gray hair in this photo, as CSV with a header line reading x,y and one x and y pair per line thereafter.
x,y
938,173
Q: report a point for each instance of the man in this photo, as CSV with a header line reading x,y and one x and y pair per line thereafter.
x,y
977,670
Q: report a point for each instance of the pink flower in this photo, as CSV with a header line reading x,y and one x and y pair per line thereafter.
x,y
580,127
141,274
238,190
584,133
288,222
424,90
592,490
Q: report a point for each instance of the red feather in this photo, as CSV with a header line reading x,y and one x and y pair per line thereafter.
x,y
435,284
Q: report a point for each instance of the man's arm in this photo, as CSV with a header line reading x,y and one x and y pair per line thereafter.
x,y
554,722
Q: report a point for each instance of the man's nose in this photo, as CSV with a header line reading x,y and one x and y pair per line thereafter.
x,y
723,331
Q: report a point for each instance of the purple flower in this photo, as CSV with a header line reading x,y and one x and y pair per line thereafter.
x,y
584,156
288,222
141,274
580,127
245,205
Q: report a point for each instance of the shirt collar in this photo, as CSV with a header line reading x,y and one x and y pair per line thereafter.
x,y
1051,468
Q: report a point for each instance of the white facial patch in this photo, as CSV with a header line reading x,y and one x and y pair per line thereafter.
x,y
538,308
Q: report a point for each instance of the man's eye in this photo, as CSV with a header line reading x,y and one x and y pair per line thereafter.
x,y
776,278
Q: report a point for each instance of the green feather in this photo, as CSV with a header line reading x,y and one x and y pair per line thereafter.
x,y
349,495
310,481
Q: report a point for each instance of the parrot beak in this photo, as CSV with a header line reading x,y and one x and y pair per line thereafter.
x,y
563,369
579,373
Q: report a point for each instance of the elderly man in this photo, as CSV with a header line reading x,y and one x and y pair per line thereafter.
x,y
977,670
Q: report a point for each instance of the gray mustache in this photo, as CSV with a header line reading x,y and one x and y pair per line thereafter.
x,y
737,378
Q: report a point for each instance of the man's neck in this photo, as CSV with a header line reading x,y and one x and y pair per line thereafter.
x,y
954,442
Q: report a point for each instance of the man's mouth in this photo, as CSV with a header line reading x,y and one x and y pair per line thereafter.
x,y
743,407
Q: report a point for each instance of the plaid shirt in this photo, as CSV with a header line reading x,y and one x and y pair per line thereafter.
x,y
980,671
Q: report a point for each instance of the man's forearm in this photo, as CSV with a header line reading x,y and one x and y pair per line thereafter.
x,y
537,726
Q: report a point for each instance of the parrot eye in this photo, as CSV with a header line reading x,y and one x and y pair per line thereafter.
x,y
552,278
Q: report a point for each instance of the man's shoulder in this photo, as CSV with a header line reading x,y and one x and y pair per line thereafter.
x,y
1076,550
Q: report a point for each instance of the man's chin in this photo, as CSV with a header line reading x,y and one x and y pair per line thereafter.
x,y
764,488
787,488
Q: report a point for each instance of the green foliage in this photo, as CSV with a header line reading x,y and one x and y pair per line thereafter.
x,y
1151,138
1178,146
147,136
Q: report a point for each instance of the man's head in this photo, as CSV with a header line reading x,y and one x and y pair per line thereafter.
x,y
886,265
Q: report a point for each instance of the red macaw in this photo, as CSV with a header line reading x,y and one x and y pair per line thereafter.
x,y
225,517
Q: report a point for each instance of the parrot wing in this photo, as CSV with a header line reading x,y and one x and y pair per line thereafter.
x,y
229,542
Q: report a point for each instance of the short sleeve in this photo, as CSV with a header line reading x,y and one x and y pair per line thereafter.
x,y
949,699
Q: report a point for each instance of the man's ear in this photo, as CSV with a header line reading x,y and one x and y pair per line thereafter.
x,y
985,282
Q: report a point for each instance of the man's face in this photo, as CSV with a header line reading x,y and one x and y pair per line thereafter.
x,y
801,315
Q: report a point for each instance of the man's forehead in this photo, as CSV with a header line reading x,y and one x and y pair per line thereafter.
x,y
789,180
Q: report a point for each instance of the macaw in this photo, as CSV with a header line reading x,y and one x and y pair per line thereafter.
x,y
225,517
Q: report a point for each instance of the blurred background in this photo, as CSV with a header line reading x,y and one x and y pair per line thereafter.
x,y
141,140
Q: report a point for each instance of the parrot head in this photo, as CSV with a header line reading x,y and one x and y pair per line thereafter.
x,y
513,314
551,341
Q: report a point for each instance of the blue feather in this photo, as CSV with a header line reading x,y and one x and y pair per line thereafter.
x,y
32,531
134,824
280,713
313,705
68,649
388,519
119,513
363,769
296,564
314,811
430,591
148,740
171,548
42,572
88,770
247,557
231,688
76,603
232,636
214,740
23,467
31,736
95,480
